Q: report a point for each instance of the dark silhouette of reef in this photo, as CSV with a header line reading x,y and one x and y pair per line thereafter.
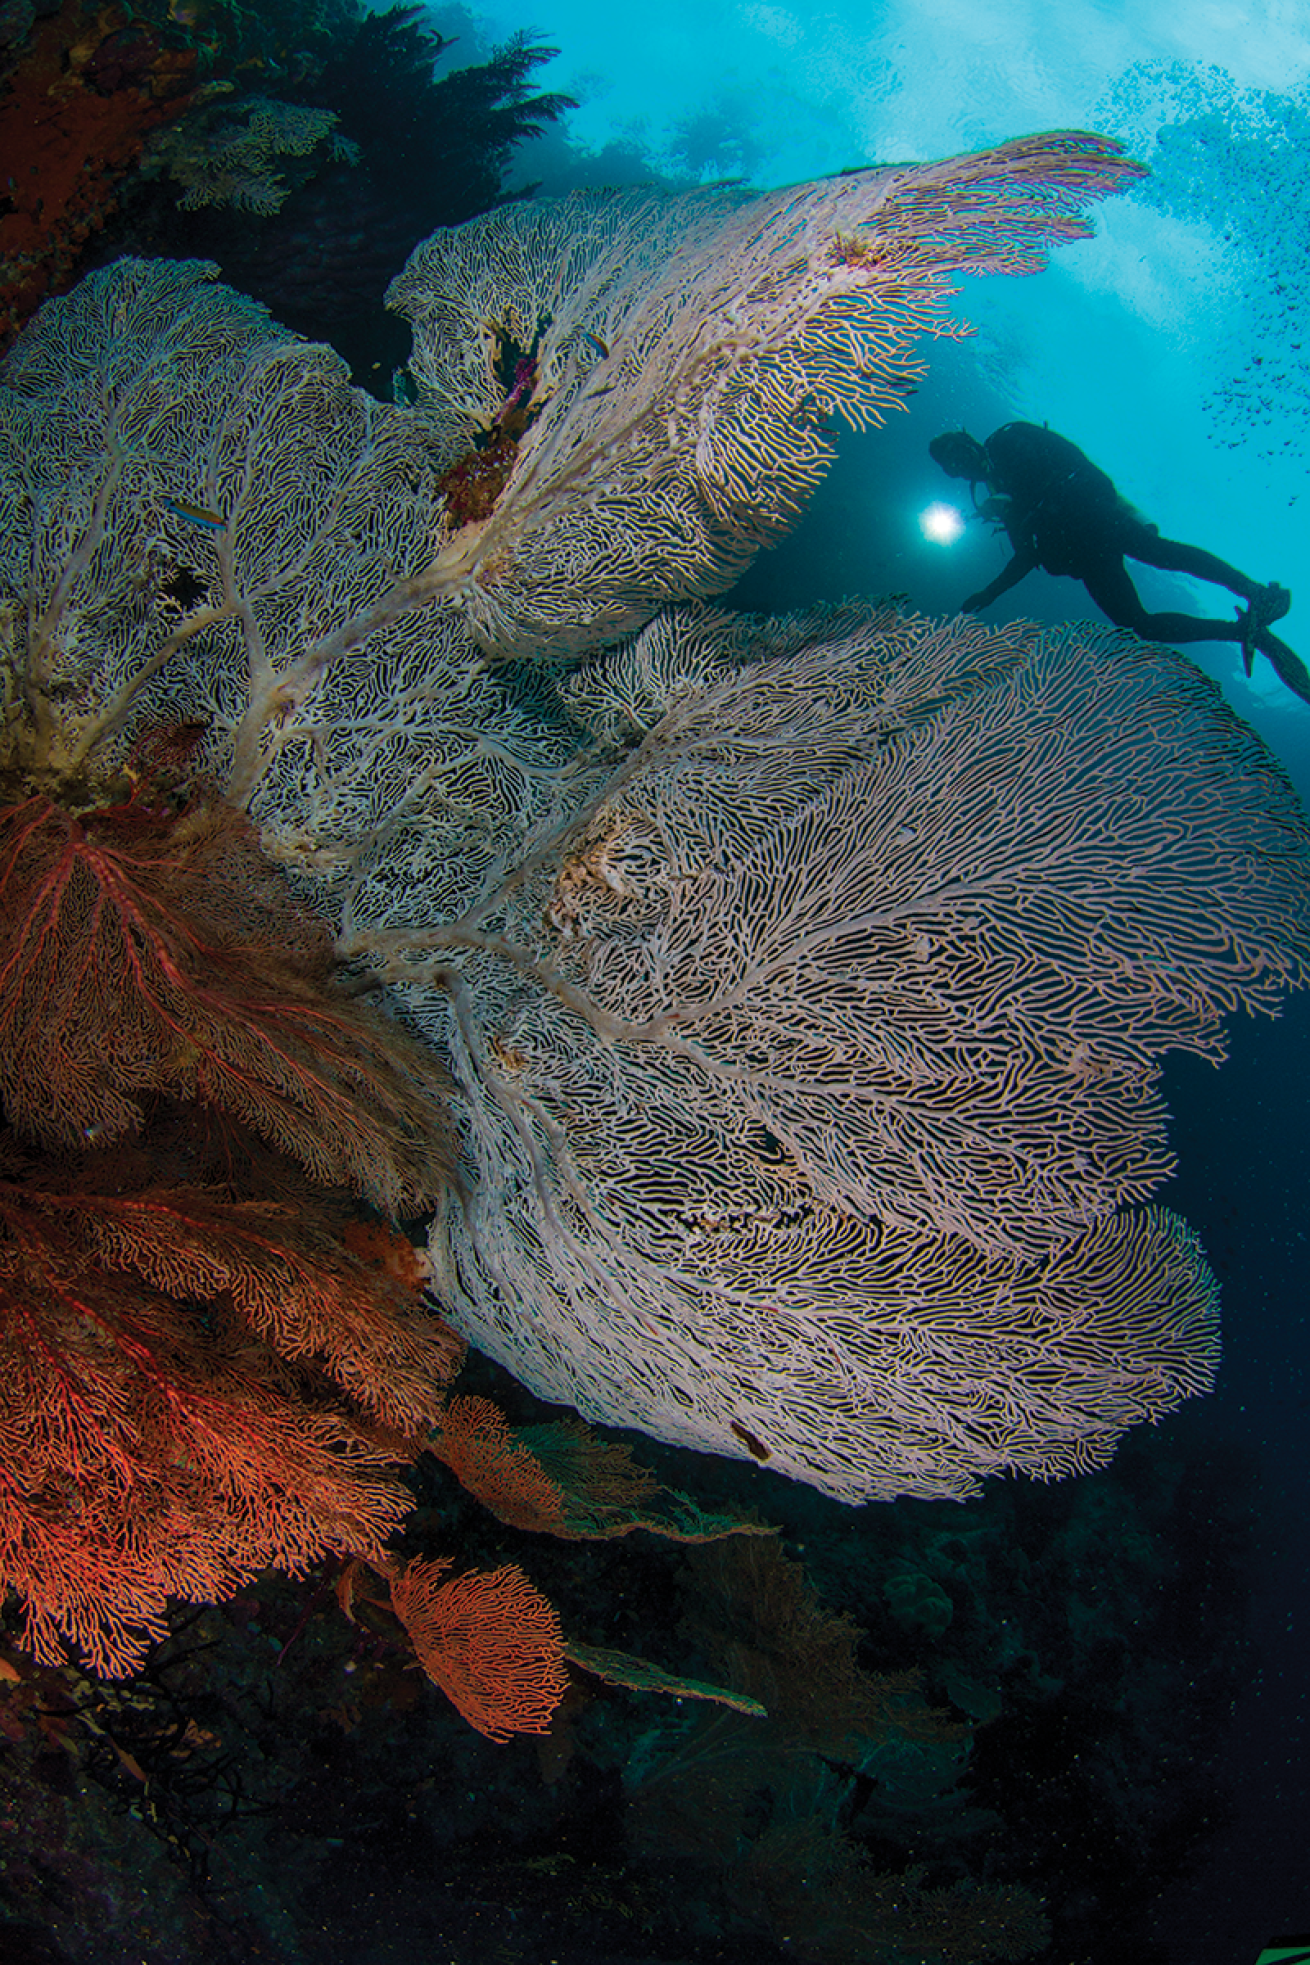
x,y
432,152
103,89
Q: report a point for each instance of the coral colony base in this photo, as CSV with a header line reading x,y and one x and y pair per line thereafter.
x,y
786,997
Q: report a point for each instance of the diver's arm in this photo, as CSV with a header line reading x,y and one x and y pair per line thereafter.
x,y
1009,576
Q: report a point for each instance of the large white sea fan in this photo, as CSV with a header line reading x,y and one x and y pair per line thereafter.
x,y
804,982
810,1069
634,390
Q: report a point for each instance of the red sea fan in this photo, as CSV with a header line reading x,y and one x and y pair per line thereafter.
x,y
208,1365
192,1388
148,951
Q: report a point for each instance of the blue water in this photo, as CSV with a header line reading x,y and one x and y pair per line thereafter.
x,y
1171,347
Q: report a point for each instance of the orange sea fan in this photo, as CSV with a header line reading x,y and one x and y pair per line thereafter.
x,y
192,1388
146,951
489,1639
475,1440
562,1478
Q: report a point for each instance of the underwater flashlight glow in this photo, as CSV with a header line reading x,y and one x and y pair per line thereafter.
x,y
943,524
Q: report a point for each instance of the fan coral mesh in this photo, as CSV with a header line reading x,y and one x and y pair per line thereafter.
x,y
655,375
798,1094
803,984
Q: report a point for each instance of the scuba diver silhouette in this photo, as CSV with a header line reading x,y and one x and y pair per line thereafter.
x,y
1064,514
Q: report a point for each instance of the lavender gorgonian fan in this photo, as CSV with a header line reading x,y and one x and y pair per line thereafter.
x,y
803,983
810,1068
202,522
631,389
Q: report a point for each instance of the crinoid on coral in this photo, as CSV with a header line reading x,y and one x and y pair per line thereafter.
x,y
240,153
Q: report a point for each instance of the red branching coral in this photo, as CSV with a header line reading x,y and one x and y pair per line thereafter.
x,y
208,1364
192,1388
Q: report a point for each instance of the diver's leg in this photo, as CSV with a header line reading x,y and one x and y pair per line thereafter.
x,y
1187,627
1107,582
1114,593
1265,603
1174,557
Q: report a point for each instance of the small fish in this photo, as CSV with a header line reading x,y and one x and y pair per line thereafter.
x,y
596,342
756,1448
199,514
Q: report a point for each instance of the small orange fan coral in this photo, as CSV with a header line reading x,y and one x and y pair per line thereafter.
x,y
489,1639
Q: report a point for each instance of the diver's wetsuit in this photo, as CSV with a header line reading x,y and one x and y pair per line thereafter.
x,y
1063,513
1066,516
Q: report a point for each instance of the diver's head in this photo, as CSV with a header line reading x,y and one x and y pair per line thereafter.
x,y
960,455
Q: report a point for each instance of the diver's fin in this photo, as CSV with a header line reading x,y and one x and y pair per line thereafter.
x,y
1265,607
1270,604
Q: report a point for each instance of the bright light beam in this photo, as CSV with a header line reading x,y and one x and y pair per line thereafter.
x,y
943,524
